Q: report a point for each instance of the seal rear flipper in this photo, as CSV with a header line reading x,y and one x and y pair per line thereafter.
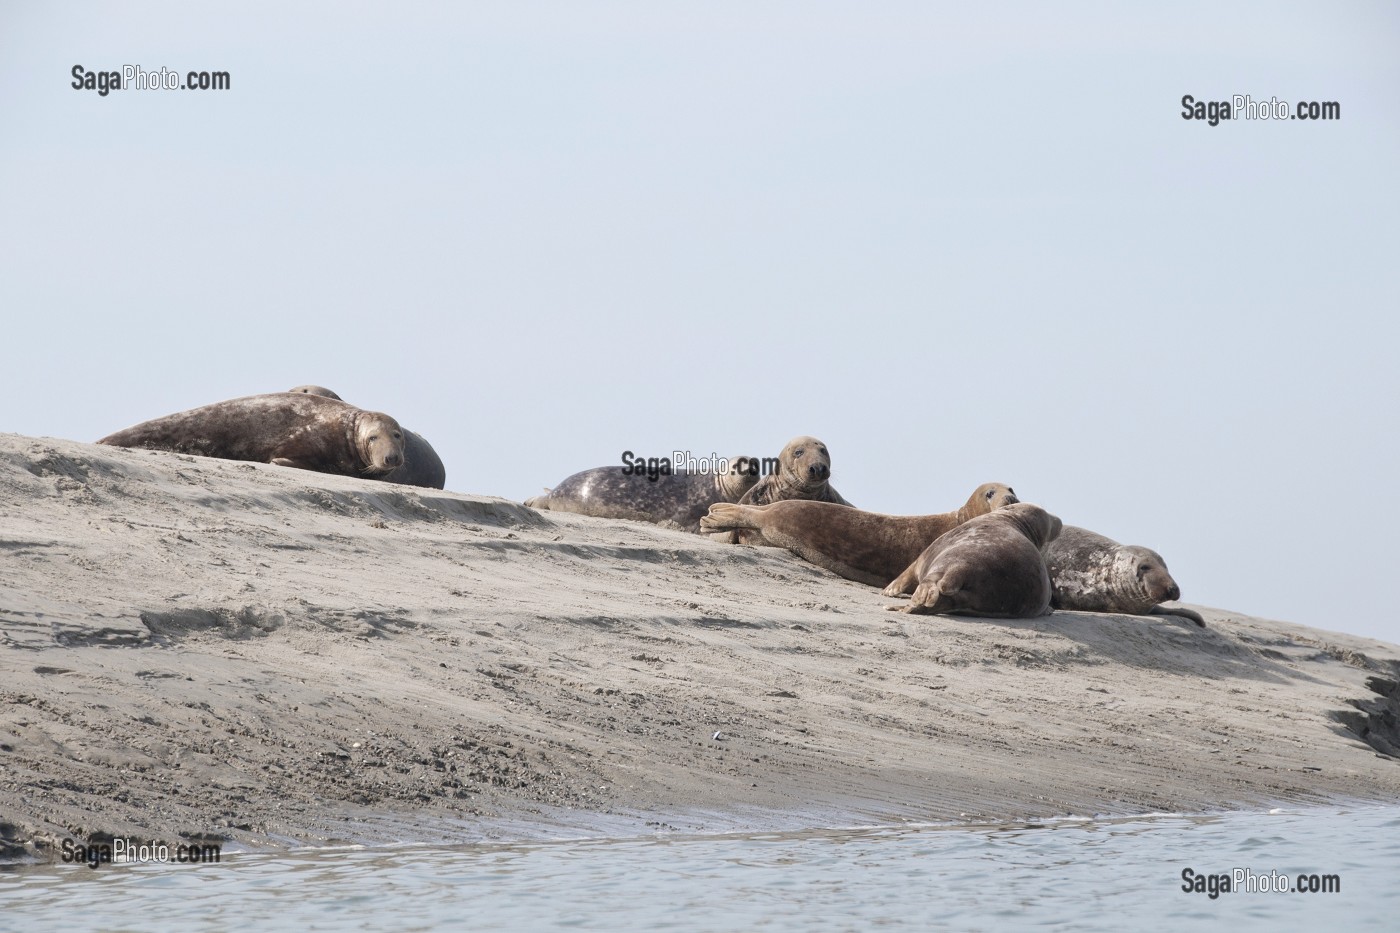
x,y
726,516
538,502
904,583
1191,614
929,599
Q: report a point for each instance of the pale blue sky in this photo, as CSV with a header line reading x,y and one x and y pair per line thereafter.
x,y
958,245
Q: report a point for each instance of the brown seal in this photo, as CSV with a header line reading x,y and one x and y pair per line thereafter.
x,y
303,431
421,465
990,566
677,500
1093,573
863,546
804,472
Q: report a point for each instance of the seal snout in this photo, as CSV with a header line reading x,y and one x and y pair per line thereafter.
x,y
819,471
1173,591
393,458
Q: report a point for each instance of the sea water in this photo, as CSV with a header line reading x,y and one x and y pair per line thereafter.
x,y
1137,874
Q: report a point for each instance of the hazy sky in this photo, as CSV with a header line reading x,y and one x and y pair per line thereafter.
x,y
958,245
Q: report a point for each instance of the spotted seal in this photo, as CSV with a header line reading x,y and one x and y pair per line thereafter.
x,y
303,431
421,464
677,500
1093,573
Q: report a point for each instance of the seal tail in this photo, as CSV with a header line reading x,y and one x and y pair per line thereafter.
x,y
727,516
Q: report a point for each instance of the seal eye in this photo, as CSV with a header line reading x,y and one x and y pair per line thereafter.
x,y
798,452
990,493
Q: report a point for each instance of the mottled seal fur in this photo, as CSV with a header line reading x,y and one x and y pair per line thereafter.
x,y
303,431
804,472
863,546
991,566
421,465
678,500
1093,573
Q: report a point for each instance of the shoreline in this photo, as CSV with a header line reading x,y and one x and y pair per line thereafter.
x,y
530,834
269,657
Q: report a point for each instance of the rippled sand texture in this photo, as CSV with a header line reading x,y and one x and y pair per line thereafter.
x,y
194,647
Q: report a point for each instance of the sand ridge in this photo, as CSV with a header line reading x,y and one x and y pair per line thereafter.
x,y
198,648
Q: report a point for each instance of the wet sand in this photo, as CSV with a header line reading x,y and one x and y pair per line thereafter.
x,y
195,648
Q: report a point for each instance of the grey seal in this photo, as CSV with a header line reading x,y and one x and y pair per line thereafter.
x,y
303,431
421,464
677,500
990,566
1093,573
863,546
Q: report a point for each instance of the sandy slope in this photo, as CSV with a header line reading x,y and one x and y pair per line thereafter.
x,y
212,649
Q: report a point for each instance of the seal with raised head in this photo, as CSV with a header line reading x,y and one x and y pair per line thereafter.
x,y
677,500
1093,573
991,566
421,465
863,546
804,472
303,431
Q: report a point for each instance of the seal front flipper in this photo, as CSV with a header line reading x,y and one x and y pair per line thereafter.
x,y
294,464
1191,614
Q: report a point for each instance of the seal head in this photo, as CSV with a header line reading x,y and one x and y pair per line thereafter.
x,y
1093,573
804,472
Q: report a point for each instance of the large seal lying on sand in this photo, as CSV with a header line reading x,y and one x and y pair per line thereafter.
x,y
863,546
1097,574
421,465
302,431
990,566
676,500
804,472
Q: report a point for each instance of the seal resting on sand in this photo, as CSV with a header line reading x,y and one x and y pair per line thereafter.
x,y
421,465
863,546
990,566
677,500
804,472
1093,573
303,431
